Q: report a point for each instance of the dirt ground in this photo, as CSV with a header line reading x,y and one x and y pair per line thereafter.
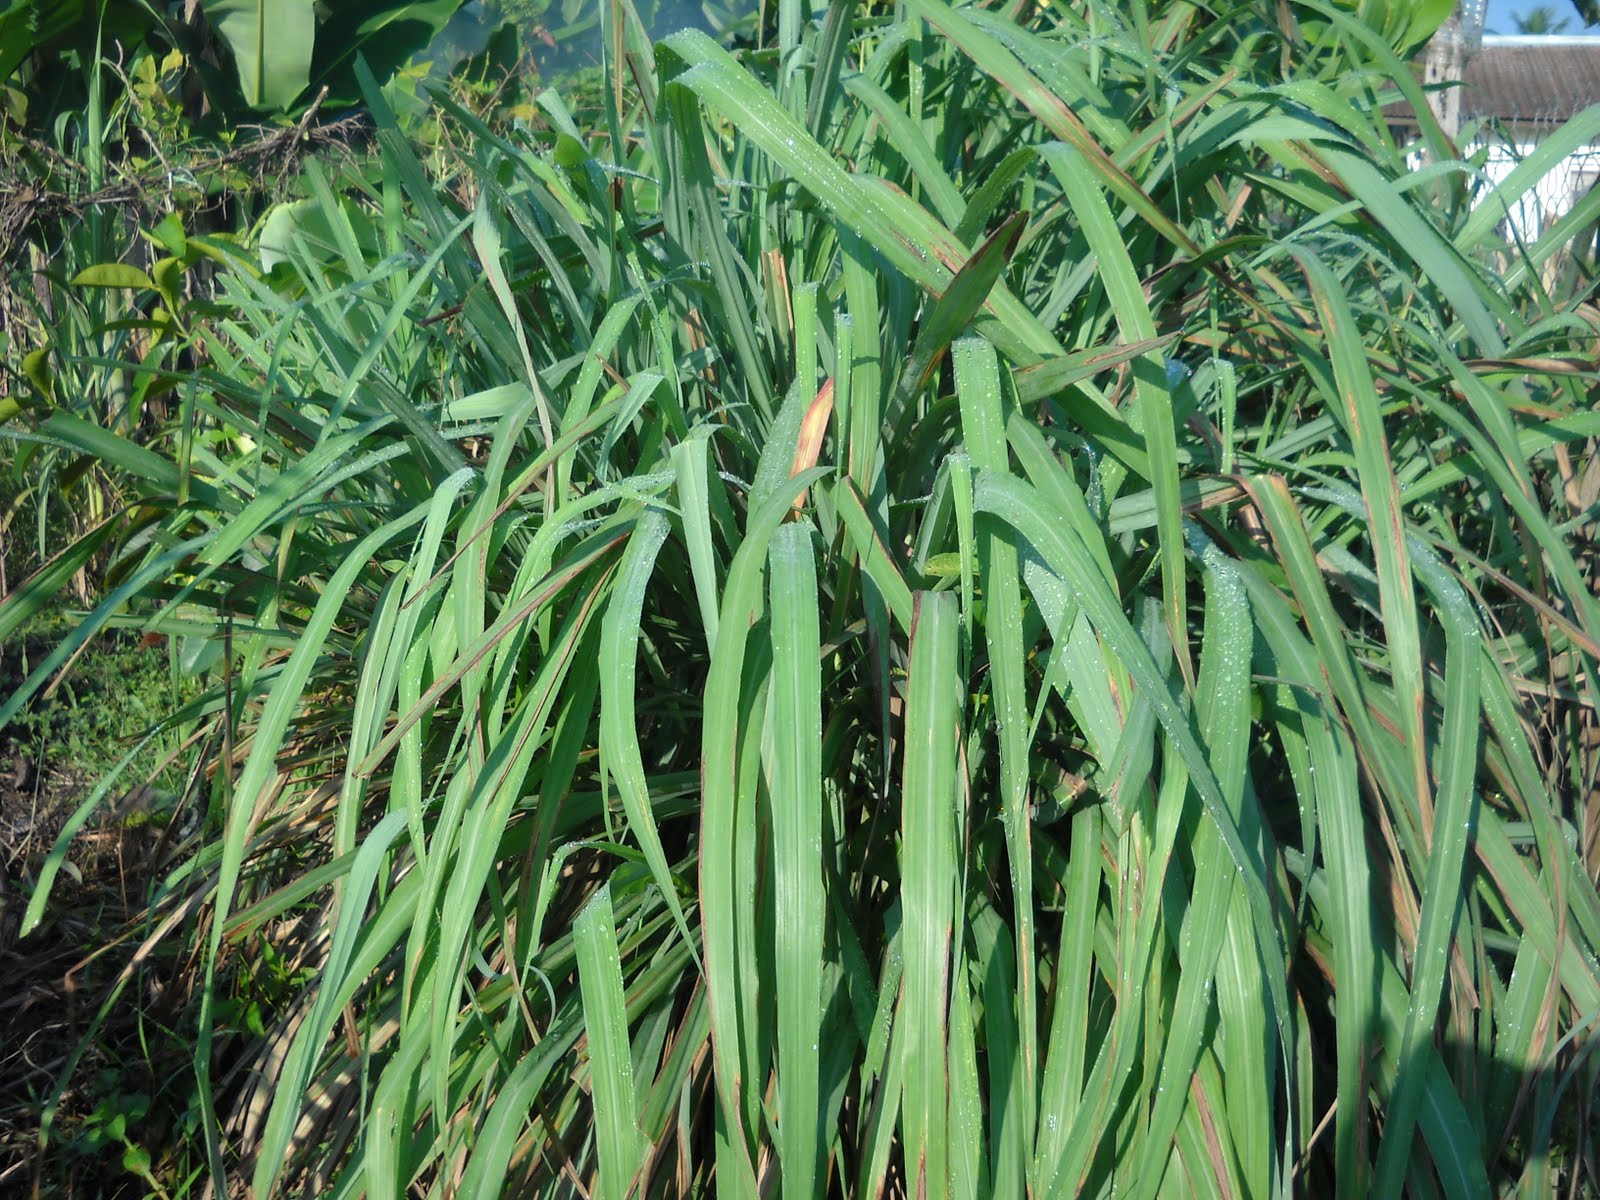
x,y
69,1044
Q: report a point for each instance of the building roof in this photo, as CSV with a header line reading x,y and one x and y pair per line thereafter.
x,y
1542,78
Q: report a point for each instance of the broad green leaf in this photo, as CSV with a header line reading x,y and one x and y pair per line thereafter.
x,y
271,42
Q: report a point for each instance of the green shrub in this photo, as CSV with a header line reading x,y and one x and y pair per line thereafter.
x,y
958,606
118,690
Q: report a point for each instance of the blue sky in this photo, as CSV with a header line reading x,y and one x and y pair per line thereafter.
x,y
1501,12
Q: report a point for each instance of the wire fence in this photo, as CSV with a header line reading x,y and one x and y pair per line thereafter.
x,y
1548,200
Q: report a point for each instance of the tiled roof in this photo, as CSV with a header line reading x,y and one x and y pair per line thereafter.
x,y
1525,79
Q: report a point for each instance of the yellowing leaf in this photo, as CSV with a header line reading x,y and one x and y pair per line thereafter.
x,y
112,275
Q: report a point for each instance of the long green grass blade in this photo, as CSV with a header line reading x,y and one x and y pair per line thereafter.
x,y
795,730
619,1142
929,807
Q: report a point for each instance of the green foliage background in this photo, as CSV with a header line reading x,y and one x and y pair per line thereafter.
x,y
961,602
